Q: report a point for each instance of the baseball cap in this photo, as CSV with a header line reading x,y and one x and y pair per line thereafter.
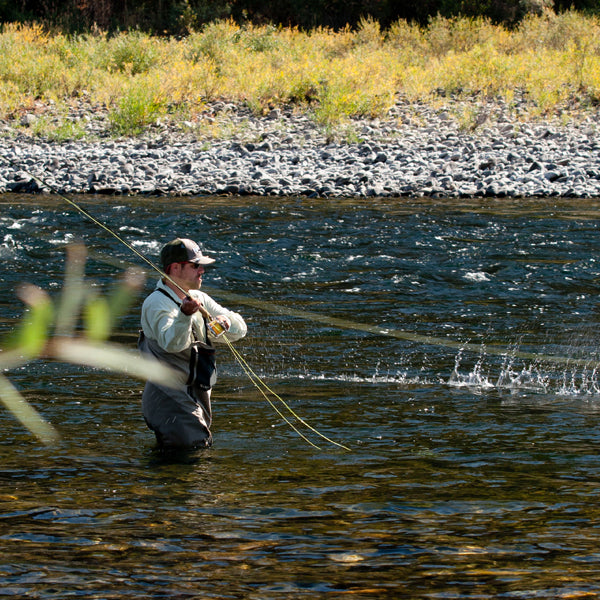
x,y
183,250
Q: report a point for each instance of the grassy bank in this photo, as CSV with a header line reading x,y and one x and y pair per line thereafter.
x,y
553,62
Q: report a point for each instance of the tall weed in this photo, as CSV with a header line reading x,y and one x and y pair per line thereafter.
x,y
72,328
458,34
215,41
132,53
140,106
406,36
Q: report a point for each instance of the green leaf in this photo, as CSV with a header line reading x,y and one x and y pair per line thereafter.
x,y
97,319
31,336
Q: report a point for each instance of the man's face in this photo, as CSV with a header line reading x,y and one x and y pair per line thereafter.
x,y
189,275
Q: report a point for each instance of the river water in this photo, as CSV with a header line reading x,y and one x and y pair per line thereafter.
x,y
423,335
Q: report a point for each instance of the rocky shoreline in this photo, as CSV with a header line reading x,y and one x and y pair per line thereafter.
x,y
418,150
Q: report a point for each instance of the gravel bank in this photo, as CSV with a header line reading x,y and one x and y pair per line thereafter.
x,y
461,150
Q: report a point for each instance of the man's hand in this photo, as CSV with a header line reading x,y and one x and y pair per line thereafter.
x,y
189,306
224,321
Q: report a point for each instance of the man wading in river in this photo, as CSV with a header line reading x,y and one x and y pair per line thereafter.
x,y
175,332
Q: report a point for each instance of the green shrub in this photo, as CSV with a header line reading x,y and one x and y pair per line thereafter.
x,y
141,105
132,53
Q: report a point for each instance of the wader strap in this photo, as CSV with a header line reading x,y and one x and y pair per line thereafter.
x,y
168,295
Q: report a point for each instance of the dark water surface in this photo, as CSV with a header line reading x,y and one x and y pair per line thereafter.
x,y
471,474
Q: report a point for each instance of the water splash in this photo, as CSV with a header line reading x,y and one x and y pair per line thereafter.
x,y
533,377
527,378
580,383
476,379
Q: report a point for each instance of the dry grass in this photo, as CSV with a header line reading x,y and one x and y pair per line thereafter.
x,y
553,61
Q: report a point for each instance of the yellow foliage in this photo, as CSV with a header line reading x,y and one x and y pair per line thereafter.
x,y
335,74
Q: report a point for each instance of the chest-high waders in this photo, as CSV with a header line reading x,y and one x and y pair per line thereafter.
x,y
181,417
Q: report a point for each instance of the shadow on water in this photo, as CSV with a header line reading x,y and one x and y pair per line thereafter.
x,y
472,471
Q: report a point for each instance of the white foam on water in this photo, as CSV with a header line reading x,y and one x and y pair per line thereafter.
x,y
60,241
9,247
476,277
401,379
150,247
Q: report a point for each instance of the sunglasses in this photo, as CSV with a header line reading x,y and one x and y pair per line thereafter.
x,y
195,265
187,262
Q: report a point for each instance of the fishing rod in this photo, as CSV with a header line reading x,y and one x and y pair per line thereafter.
x,y
214,326
108,230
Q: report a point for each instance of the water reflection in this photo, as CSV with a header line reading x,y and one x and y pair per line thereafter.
x,y
471,473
